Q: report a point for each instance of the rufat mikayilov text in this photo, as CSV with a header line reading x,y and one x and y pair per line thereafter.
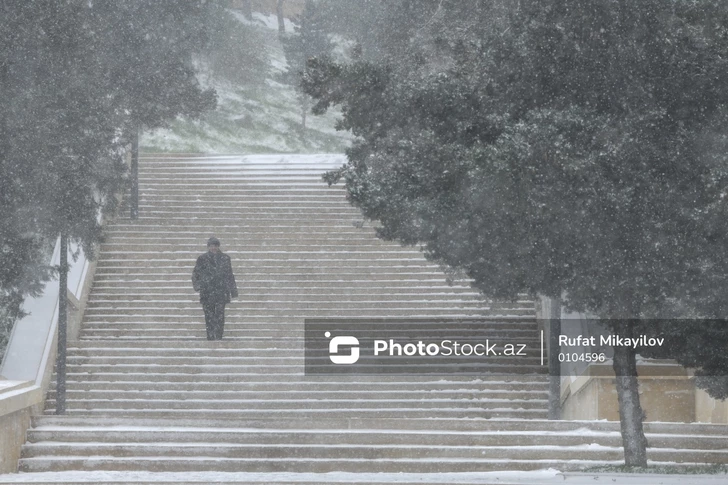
x,y
611,340
446,348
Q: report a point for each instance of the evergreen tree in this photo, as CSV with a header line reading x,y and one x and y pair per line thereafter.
x,y
568,147
310,39
75,78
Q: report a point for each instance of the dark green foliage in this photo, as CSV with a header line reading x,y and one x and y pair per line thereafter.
x,y
565,147
76,78
310,40
234,51
569,146
697,344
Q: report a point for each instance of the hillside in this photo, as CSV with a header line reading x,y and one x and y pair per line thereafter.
x,y
252,117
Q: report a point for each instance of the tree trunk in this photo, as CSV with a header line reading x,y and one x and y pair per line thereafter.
x,y
631,415
304,110
62,327
279,12
134,195
554,364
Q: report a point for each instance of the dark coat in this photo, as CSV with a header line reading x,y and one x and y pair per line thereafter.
x,y
213,278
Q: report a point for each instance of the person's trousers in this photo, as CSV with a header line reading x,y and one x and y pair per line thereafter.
x,y
214,320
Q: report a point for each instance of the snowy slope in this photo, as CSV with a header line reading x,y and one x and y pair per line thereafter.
x,y
252,119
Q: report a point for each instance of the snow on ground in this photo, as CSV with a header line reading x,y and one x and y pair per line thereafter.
x,y
252,119
269,21
539,477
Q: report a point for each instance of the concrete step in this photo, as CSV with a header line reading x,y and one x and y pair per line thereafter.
x,y
299,382
508,365
404,413
295,343
201,378
524,385
303,395
130,285
183,292
334,452
260,328
242,246
314,263
232,314
243,210
325,465
345,405
245,300
193,345
372,423
45,435
125,229
308,277
530,347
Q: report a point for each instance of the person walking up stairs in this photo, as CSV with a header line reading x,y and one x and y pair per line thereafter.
x,y
213,278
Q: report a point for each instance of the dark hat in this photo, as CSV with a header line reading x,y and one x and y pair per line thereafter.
x,y
213,241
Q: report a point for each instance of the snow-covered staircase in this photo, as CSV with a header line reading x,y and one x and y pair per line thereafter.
x,y
148,392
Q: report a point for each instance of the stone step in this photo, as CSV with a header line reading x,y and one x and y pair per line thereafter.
x,y
508,365
176,276
499,395
176,171
137,332
294,251
530,347
212,176
252,296
294,465
44,436
315,386
226,230
531,357
378,462
133,293
130,285
101,306
351,405
334,451
253,323
196,247
233,315
530,384
180,171
242,210
313,263
263,354
404,413
161,379
181,270
244,219
126,229
373,423
295,343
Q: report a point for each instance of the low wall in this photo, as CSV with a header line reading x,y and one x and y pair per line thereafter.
x,y
27,368
667,393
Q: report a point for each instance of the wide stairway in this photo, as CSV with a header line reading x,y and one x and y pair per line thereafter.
x,y
148,393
